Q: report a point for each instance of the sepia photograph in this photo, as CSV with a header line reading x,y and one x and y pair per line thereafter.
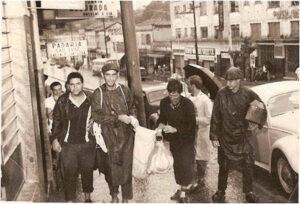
x,y
147,101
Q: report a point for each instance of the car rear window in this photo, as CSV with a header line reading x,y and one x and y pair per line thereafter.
x,y
155,96
284,103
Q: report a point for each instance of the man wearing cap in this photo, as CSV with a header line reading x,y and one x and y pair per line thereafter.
x,y
233,134
113,110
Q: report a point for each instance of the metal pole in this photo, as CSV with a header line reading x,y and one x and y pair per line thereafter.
x,y
196,36
132,59
104,29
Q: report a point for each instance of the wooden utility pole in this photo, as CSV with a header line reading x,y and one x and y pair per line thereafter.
x,y
132,59
196,36
104,31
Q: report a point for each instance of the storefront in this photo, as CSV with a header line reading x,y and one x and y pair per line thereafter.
x,y
282,55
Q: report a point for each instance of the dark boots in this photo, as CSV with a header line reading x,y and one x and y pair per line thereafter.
x,y
219,197
251,197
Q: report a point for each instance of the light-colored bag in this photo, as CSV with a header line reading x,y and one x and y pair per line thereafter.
x,y
144,142
161,160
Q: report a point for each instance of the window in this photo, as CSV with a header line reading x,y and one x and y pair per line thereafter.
x,y
185,32
178,32
235,31
246,3
234,6
204,32
191,7
176,9
216,29
216,7
295,3
257,2
255,31
148,39
274,4
274,30
203,9
295,29
192,32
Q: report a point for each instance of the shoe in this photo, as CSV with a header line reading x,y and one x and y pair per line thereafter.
x,y
114,199
183,200
124,201
219,197
251,197
176,195
88,201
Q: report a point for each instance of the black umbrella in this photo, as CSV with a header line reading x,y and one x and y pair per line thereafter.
x,y
211,82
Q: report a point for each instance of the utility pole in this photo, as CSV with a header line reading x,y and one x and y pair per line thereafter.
x,y
196,36
104,29
132,59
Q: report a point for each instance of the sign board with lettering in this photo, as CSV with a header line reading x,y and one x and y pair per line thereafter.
x,y
67,48
66,4
201,51
93,9
221,15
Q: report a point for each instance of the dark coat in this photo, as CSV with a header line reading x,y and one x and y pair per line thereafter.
x,y
228,124
118,136
182,118
61,116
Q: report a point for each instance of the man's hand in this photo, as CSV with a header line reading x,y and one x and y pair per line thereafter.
x,y
252,126
215,143
56,146
124,118
169,129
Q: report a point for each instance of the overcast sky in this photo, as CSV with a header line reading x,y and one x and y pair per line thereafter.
x,y
139,4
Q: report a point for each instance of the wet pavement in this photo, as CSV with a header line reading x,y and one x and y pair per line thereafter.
x,y
158,188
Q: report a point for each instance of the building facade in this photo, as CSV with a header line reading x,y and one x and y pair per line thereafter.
x,y
274,33
24,161
155,44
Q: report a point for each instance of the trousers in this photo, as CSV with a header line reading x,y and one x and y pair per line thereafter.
x,y
103,166
77,158
247,165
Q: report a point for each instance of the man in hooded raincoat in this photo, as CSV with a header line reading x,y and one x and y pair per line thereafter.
x,y
233,134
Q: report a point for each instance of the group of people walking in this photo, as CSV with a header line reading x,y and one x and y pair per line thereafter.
x,y
96,131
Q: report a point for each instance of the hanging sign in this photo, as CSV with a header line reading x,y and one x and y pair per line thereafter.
x,y
93,9
67,48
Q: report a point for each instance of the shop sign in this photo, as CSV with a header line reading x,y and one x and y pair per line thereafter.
x,y
66,4
286,14
201,51
67,48
93,9
253,55
221,15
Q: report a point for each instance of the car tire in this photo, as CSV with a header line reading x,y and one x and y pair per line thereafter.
x,y
286,176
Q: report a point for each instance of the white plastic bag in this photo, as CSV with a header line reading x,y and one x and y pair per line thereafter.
x,y
161,160
143,146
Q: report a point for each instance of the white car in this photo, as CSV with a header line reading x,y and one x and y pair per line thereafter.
x,y
277,144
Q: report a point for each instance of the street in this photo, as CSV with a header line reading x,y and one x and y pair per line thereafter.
x,y
159,187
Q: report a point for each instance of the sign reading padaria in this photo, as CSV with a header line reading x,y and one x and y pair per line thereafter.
x,y
67,48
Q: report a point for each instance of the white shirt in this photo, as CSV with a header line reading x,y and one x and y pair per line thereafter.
x,y
50,103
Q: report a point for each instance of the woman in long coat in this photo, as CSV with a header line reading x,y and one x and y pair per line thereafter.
x,y
178,124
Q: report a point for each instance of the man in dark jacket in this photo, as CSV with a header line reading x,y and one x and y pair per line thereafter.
x,y
113,109
177,122
233,134
70,137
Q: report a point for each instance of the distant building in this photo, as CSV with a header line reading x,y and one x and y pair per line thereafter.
x,y
154,42
271,26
